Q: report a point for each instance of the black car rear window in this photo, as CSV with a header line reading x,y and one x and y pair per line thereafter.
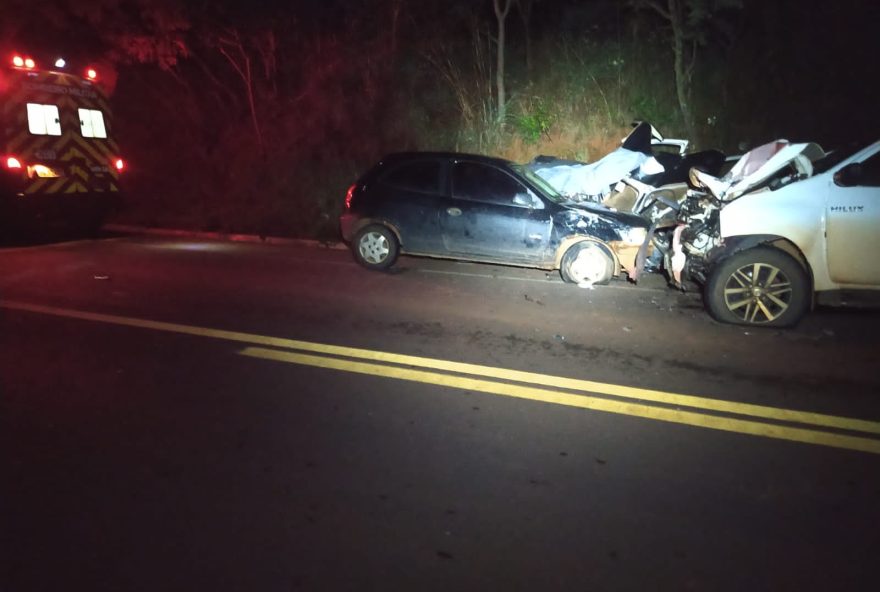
x,y
421,175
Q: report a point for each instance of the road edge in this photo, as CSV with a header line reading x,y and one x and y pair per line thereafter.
x,y
225,236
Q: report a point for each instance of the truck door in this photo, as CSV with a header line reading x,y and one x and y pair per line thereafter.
x,y
853,224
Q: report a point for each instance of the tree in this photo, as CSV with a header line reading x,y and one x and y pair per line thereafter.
x,y
690,23
231,46
502,7
120,31
525,14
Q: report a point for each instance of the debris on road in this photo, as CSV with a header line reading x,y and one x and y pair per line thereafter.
x,y
535,300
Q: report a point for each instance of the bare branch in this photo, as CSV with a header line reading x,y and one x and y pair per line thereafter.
x,y
499,12
658,8
692,62
244,71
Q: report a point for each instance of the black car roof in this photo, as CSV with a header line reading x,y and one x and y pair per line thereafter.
x,y
401,156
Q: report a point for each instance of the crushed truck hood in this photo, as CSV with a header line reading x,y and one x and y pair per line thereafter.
x,y
758,165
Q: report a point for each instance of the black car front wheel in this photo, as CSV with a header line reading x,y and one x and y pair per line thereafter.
x,y
375,247
760,286
587,262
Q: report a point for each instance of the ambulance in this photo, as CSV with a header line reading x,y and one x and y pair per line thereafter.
x,y
59,163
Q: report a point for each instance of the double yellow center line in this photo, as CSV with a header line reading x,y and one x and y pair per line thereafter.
x,y
729,416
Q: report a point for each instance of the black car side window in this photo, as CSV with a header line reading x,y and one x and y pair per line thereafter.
x,y
422,175
480,182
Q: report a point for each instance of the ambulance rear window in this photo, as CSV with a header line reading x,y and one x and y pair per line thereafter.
x,y
91,122
43,120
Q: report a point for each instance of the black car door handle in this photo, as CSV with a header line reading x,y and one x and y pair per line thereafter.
x,y
453,211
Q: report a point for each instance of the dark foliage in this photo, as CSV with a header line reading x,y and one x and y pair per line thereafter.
x,y
255,116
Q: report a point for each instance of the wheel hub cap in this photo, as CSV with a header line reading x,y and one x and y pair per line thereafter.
x,y
758,293
373,247
589,266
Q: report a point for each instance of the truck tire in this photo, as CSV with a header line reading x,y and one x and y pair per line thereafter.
x,y
761,286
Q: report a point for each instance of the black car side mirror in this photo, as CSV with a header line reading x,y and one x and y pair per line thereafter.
x,y
849,175
527,199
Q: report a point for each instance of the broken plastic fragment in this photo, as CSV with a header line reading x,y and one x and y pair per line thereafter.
x,y
678,257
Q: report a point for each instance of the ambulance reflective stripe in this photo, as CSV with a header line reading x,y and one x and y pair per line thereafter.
x,y
37,186
56,185
100,154
75,188
78,155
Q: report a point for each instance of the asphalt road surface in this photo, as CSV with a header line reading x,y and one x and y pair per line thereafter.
x,y
192,415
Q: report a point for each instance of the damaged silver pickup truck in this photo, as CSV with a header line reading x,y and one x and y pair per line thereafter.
x,y
788,227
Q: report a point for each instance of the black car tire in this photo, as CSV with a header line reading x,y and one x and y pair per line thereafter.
x,y
587,262
375,247
762,286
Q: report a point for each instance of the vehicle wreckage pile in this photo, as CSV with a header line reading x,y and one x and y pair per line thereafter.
x,y
784,228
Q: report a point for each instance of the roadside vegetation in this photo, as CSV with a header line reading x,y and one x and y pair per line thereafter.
x,y
243,117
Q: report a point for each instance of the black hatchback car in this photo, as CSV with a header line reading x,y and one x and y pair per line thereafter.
x,y
478,208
